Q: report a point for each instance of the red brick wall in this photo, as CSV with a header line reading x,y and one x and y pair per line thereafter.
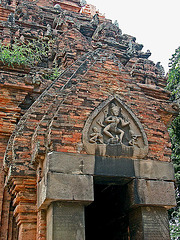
x,y
96,61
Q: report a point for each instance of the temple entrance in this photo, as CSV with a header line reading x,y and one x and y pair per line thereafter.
x,y
106,218
110,201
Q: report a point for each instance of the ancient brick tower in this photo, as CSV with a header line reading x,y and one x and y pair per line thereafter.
x,y
87,155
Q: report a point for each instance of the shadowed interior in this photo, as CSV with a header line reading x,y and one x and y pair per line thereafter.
x,y
106,217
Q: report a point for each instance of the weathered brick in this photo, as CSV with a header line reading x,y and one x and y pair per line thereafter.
x,y
93,68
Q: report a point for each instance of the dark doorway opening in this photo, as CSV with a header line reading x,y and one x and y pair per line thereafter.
x,y
106,218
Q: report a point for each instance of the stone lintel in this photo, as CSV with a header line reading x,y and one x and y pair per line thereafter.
x,y
150,169
71,163
65,187
143,192
69,177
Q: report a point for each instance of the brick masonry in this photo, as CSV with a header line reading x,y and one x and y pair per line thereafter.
x,y
96,61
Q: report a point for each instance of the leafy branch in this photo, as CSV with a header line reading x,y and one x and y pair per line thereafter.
x,y
23,54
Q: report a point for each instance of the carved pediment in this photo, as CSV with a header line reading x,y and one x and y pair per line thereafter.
x,y
112,129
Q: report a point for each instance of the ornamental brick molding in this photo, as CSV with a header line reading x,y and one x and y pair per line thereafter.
x,y
85,153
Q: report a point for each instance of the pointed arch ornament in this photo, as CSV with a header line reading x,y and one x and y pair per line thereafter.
x,y
112,129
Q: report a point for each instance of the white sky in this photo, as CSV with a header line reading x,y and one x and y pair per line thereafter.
x,y
154,23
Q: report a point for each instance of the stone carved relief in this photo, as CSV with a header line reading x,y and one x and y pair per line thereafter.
x,y
113,130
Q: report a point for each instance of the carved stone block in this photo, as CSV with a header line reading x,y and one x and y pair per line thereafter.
x,y
82,164
112,167
151,193
65,187
150,169
70,163
149,223
65,221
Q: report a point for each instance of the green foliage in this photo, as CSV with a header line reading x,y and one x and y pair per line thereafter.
x,y
174,75
175,140
174,130
28,54
55,72
24,54
174,222
175,229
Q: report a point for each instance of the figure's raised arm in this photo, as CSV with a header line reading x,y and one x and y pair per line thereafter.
x,y
124,123
109,119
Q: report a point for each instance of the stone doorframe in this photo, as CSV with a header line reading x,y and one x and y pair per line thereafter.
x,y
67,187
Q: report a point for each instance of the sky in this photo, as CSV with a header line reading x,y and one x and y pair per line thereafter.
x,y
154,23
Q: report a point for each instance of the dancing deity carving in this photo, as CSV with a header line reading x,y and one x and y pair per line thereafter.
x,y
113,121
114,129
